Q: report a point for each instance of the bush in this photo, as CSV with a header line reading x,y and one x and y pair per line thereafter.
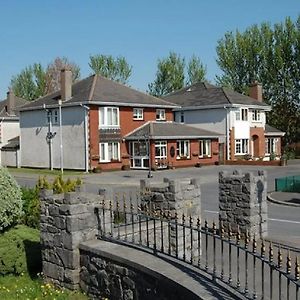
x,y
31,201
10,200
20,251
31,207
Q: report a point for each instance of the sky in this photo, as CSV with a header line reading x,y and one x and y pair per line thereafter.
x,y
140,30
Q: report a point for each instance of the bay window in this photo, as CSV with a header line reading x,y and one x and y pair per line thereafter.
x,y
183,149
204,148
109,151
271,145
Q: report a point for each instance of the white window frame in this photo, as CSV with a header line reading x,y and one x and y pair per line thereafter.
x,y
271,143
185,146
242,145
160,114
256,115
104,112
106,156
53,116
205,148
163,149
138,114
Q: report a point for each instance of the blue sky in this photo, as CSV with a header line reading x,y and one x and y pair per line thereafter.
x,y
141,30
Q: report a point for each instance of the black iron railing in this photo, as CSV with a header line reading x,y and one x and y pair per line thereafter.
x,y
238,260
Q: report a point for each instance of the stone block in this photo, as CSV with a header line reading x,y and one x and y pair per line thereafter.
x,y
60,222
68,209
71,276
69,258
71,198
53,271
144,184
174,186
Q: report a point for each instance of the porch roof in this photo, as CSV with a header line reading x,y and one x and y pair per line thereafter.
x,y
12,144
272,131
169,131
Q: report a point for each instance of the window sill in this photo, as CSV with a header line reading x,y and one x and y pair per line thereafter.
x,y
205,156
135,119
183,158
161,120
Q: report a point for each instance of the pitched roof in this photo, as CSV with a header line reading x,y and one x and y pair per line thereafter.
x,y
269,130
205,94
12,144
169,130
3,107
96,89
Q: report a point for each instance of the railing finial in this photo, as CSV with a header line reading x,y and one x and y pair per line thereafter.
x,y
297,269
288,263
279,258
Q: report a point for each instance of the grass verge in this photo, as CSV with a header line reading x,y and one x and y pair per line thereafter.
x,y
23,288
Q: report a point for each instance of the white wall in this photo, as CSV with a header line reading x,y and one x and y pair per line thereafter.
x,y
211,119
10,158
35,149
9,130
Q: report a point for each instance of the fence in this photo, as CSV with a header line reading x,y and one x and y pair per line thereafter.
x,y
288,184
240,261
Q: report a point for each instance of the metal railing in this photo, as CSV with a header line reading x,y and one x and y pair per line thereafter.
x,y
243,263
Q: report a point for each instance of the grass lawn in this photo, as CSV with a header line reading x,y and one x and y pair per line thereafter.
x,y
23,288
44,171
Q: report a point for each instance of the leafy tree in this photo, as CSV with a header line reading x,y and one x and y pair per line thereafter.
x,y
170,75
36,81
10,200
31,83
196,71
112,68
270,55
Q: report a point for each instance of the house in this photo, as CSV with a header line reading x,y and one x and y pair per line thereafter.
x,y
97,123
240,120
10,129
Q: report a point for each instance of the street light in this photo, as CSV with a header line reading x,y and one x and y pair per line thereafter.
x,y
86,109
61,138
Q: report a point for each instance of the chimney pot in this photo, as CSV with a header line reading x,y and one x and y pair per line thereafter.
x,y
255,91
11,102
66,84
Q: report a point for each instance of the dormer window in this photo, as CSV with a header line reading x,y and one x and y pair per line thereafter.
x,y
160,115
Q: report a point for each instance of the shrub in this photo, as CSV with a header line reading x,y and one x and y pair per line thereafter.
x,y
10,200
20,251
31,201
31,207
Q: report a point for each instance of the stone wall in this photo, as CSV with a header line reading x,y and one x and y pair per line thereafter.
x,y
66,221
173,195
243,202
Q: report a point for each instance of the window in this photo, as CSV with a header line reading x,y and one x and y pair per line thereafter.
x,y
52,116
109,116
109,151
182,117
256,115
271,145
242,115
160,114
161,150
183,149
241,146
204,148
138,114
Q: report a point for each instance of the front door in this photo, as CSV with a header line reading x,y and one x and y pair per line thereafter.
x,y
255,146
139,157
221,153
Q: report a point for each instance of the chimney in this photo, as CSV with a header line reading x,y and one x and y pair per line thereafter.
x,y
11,102
66,84
255,91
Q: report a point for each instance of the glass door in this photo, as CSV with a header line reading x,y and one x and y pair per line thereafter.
x,y
139,157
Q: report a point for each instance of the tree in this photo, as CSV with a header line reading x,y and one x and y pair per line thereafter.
x,y
170,75
10,200
36,81
196,71
54,71
31,83
270,55
112,68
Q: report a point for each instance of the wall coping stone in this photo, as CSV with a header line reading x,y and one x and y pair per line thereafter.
x,y
150,265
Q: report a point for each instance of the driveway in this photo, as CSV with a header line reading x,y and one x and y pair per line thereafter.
x,y
284,222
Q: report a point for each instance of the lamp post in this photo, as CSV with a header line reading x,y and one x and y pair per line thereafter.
x,y
86,109
61,138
